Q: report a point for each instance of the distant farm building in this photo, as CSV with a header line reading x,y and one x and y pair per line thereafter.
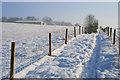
x,y
32,22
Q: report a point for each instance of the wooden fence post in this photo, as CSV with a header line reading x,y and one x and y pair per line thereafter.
x,y
119,41
82,30
74,31
119,47
105,30
111,33
79,30
114,36
50,45
108,31
12,60
101,28
66,36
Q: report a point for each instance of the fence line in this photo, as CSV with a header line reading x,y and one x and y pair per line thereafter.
x,y
112,37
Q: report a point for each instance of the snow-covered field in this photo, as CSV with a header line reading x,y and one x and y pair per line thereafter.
x,y
87,56
31,43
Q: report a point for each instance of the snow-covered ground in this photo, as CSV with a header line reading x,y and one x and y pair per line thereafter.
x,y
82,57
87,56
117,39
31,43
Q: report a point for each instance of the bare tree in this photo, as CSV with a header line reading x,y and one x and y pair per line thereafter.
x,y
91,24
76,24
48,20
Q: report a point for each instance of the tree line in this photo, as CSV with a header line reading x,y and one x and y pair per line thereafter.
x,y
90,24
46,19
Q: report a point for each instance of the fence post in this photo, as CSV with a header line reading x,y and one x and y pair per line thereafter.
x,y
119,41
66,36
108,31
50,45
79,30
119,47
111,33
114,36
12,60
74,31
101,28
82,30
104,30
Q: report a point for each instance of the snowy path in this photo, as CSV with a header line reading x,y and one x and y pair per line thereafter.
x,y
87,56
104,63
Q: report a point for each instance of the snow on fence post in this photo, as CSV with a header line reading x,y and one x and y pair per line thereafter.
x,y
106,30
111,33
50,45
79,30
114,36
12,60
66,36
74,31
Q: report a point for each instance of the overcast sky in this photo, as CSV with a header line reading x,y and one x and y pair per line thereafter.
x,y
74,12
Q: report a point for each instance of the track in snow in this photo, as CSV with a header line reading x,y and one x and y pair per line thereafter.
x,y
104,60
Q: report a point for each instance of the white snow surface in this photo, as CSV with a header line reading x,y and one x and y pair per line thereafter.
x,y
31,43
19,31
82,57
86,56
